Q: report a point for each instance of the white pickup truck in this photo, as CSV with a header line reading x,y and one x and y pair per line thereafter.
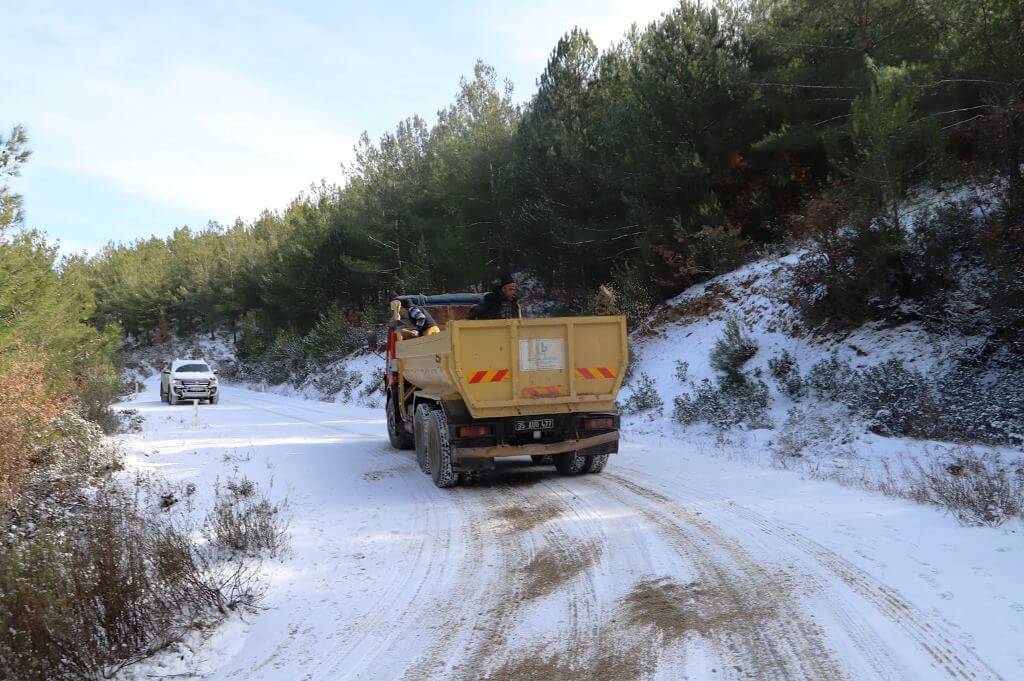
x,y
185,380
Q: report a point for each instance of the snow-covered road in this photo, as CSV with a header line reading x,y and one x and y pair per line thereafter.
x,y
675,563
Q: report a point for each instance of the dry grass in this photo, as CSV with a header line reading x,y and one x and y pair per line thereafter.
x,y
245,522
697,307
25,421
117,576
979,490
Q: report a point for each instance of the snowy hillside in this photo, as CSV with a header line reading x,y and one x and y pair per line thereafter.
x,y
672,360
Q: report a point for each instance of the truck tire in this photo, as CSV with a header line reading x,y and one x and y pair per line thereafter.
x,y
421,418
596,463
570,463
172,399
215,399
399,437
440,450
543,459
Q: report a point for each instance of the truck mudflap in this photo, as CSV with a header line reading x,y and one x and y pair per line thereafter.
x,y
536,449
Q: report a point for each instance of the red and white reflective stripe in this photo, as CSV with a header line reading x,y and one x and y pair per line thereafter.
x,y
594,372
499,376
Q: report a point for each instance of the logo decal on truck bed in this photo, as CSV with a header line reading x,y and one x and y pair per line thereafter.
x,y
541,354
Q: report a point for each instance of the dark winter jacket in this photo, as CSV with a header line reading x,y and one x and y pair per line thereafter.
x,y
421,319
496,306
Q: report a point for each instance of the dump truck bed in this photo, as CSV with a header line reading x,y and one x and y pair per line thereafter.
x,y
512,367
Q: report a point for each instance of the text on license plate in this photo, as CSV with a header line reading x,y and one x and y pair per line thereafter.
x,y
535,424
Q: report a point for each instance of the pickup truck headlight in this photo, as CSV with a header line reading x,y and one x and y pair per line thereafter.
x,y
176,381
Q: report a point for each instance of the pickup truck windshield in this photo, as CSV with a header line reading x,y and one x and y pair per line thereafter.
x,y
193,367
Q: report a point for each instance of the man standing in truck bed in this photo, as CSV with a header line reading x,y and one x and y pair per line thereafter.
x,y
418,317
500,303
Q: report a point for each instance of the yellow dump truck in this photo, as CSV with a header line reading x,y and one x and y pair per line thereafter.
x,y
479,390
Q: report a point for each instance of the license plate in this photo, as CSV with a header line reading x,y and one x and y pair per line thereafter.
x,y
535,424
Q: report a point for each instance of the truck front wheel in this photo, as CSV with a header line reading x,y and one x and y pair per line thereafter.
x,y
399,437
440,450
420,422
570,463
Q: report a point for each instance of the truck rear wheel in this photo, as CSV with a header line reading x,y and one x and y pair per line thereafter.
x,y
420,421
570,463
596,463
399,437
440,450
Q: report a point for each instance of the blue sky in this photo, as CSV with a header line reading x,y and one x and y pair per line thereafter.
x,y
143,117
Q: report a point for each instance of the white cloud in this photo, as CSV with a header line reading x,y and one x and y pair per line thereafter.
x,y
206,137
126,102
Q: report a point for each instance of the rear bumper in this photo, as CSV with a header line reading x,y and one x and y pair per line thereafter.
x,y
537,449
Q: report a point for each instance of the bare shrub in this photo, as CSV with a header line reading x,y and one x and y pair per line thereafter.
x,y
979,490
243,488
107,583
244,522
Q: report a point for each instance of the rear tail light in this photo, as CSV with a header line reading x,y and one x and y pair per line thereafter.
x,y
605,423
475,431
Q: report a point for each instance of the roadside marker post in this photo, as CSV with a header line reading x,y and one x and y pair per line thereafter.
x,y
195,413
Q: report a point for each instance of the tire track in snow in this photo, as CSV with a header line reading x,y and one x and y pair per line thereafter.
x,y
956,660
401,599
779,642
513,528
